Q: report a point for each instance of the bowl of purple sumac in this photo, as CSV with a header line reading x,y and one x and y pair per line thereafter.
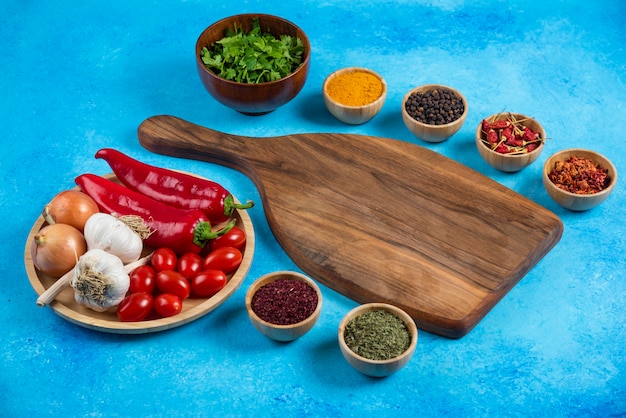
x,y
284,305
434,112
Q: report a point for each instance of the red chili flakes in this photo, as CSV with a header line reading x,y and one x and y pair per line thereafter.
x,y
509,135
284,301
579,175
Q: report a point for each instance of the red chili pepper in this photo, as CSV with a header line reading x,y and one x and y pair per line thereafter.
x,y
509,136
502,149
492,137
500,124
530,135
532,147
173,188
182,230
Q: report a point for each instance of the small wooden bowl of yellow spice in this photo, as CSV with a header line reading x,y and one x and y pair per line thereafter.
x,y
354,95
377,339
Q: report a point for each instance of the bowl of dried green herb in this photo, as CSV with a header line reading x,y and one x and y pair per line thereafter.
x,y
377,339
284,305
253,63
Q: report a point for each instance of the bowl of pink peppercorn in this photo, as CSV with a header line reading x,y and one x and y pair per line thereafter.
x,y
509,141
284,305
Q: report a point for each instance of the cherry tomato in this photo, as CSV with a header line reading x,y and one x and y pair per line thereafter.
x,y
236,238
189,265
164,259
167,305
170,281
208,282
142,279
135,307
226,259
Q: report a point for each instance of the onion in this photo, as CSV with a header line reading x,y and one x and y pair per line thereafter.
x,y
71,207
56,248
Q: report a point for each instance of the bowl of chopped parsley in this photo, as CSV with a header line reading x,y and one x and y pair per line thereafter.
x,y
253,63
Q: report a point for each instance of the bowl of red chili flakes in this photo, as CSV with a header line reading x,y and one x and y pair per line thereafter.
x,y
509,141
579,179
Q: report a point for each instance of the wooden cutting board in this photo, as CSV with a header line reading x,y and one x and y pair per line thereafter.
x,y
382,220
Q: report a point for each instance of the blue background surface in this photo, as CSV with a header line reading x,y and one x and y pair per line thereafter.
x,y
78,76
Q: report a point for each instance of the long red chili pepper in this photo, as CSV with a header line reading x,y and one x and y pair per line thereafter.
x,y
182,230
173,188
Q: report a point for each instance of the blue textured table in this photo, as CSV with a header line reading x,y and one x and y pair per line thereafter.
x,y
79,76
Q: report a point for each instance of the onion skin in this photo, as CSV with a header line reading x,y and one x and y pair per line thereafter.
x,y
71,207
56,248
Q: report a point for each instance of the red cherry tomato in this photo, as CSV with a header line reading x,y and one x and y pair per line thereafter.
x,y
135,307
142,279
235,238
208,282
226,259
189,265
170,281
164,259
167,305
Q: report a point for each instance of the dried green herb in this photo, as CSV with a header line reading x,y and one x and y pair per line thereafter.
x,y
377,335
253,57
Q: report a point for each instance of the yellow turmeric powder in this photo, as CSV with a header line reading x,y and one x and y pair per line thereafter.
x,y
355,88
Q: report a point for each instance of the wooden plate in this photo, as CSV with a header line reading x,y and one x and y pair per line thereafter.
x,y
66,307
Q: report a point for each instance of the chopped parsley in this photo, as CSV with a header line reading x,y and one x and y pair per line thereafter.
x,y
253,57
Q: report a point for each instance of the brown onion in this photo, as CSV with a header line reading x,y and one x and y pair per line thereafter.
x,y
56,248
71,207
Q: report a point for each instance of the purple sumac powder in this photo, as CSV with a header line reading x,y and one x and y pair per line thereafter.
x,y
284,301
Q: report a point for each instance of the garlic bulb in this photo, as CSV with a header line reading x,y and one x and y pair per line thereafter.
x,y
108,233
100,280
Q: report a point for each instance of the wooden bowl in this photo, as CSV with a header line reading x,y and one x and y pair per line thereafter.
x,y
377,368
283,333
573,201
193,308
353,115
253,99
428,132
509,163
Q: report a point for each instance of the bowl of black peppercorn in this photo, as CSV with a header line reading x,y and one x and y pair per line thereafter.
x,y
434,112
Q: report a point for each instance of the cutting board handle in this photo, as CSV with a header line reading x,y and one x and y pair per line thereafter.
x,y
169,135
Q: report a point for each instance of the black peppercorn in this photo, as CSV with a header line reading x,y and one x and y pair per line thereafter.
x,y
438,106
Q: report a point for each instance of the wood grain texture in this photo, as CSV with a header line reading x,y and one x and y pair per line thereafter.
x,y
381,220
